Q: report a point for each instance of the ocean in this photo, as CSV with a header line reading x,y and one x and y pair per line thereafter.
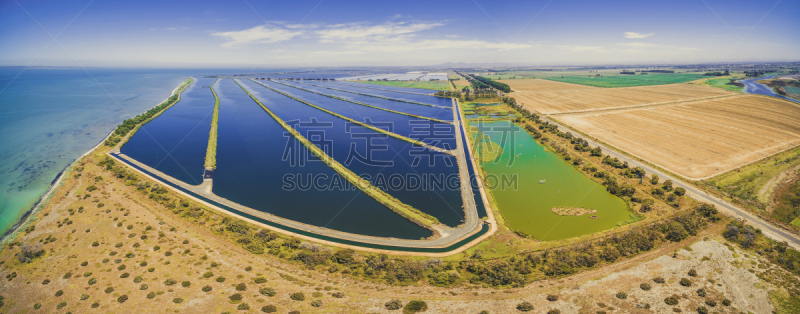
x,y
51,116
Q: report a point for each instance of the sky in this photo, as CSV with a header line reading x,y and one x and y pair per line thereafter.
x,y
273,34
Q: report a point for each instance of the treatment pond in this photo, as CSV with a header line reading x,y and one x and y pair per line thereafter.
x,y
544,181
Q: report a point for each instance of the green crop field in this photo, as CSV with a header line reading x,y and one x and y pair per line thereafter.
x,y
608,77
435,85
627,80
722,82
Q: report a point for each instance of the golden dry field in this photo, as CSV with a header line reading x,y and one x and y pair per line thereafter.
x,y
549,97
697,139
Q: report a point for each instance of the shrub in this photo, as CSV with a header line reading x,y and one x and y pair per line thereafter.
x,y
686,282
701,293
122,298
702,310
552,297
317,294
151,295
248,268
338,295
118,245
692,273
220,279
170,282
61,305
121,267
316,303
622,295
95,243
235,297
645,286
186,284
269,309
260,280
415,306
84,263
207,288
37,306
46,281
124,275
130,255
208,274
137,279
241,287
393,305
92,281
553,311
109,289
525,307
151,269
59,293
143,264
243,307
267,292
711,303
671,300
95,305
177,300
185,241
298,296
168,253
143,287
84,296
156,248
726,302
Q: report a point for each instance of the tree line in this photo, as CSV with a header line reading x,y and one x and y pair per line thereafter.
x,y
489,82
129,124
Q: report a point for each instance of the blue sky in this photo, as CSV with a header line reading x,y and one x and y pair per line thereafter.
x,y
271,34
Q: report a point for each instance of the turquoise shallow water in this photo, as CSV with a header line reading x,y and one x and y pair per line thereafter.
x,y
49,117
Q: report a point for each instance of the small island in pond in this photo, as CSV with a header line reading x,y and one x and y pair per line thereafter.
x,y
572,211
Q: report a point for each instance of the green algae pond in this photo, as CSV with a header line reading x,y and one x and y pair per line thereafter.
x,y
543,181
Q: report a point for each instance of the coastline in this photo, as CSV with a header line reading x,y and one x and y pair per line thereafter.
x,y
25,219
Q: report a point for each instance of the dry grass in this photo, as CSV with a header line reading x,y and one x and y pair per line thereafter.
x,y
548,97
698,139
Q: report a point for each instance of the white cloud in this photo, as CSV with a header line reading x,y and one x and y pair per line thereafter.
x,y
356,38
341,32
258,34
577,48
635,35
639,45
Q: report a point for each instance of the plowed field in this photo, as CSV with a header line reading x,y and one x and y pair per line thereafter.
x,y
550,97
697,139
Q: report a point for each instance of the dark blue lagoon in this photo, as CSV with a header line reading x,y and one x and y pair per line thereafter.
x,y
445,114
425,179
252,171
175,142
425,99
391,88
431,132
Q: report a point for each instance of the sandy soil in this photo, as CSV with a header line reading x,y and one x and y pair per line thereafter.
x,y
698,139
118,227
